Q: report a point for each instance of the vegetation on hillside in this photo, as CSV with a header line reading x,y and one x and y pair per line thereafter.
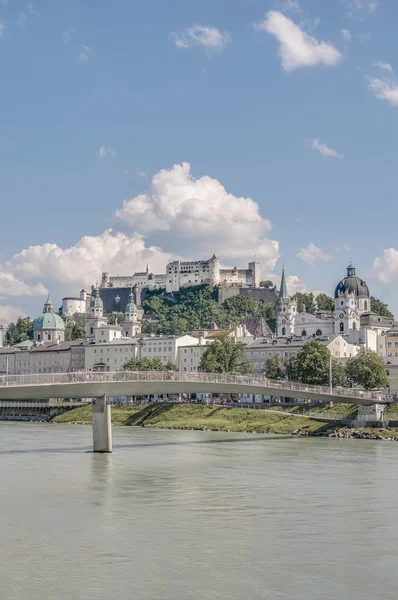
x,y
197,307
74,331
380,308
367,370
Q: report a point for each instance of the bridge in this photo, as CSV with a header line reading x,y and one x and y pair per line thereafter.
x,y
132,383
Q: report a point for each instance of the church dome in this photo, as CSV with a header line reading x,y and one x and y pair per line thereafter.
x,y
131,306
48,319
352,283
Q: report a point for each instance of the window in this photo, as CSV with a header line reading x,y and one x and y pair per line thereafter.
x,y
256,355
341,327
283,330
318,332
396,344
91,330
354,326
389,345
365,305
342,303
304,333
286,354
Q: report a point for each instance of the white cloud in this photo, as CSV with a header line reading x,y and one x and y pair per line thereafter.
x,y
346,34
105,151
382,65
210,38
385,268
2,28
325,150
85,53
11,286
198,216
356,7
296,48
81,265
67,34
312,254
372,7
10,313
295,284
384,87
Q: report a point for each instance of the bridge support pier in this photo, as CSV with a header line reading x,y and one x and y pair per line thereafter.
x,y
102,428
372,413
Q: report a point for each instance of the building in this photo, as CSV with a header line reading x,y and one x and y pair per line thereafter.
x,y
110,355
95,317
165,347
76,305
49,327
58,357
144,280
260,350
132,323
351,315
181,274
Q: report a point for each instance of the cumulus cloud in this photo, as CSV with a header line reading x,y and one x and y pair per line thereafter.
x,y
11,286
385,85
325,150
81,265
10,313
385,268
312,254
297,49
197,217
210,38
105,151
346,34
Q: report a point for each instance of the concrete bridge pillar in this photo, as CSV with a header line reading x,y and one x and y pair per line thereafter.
x,y
102,428
375,412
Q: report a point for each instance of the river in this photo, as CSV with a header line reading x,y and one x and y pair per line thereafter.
x,y
184,515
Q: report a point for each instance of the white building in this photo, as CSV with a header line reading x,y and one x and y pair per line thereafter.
x,y
131,326
262,349
111,355
95,317
181,274
165,347
143,280
72,305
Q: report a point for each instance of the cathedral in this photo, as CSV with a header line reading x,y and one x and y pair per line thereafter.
x,y
350,317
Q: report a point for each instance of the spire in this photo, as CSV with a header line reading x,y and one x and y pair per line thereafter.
x,y
48,305
283,295
147,269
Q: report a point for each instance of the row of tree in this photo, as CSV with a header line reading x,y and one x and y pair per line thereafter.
x,y
311,365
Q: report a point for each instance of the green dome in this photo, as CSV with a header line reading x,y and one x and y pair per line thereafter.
x,y
49,320
131,306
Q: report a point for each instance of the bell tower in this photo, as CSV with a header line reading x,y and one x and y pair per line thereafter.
x,y
286,310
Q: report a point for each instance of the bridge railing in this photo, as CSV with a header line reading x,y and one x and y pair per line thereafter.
x,y
226,379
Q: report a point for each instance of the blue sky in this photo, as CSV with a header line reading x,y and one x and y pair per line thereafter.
x,y
291,104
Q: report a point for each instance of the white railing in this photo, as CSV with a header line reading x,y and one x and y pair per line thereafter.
x,y
284,387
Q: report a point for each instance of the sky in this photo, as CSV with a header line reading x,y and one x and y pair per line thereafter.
x,y
134,133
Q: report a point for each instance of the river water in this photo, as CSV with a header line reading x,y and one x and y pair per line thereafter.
x,y
181,515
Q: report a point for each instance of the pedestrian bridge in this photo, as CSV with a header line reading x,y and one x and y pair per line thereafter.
x,y
133,383
98,386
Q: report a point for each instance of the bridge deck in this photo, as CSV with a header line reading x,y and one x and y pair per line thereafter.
x,y
132,383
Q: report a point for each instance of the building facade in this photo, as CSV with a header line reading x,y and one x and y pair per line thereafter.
x,y
49,327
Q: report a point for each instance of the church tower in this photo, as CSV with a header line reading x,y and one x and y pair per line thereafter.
x,y
286,311
95,317
131,326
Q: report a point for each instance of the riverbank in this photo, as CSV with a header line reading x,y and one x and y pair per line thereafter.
x,y
220,418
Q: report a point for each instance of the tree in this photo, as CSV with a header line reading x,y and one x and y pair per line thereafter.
x,y
225,355
267,284
115,318
367,370
339,374
241,306
310,365
305,302
268,311
273,368
74,331
147,364
380,308
20,331
324,302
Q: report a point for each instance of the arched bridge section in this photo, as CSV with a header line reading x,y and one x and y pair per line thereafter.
x,y
132,383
